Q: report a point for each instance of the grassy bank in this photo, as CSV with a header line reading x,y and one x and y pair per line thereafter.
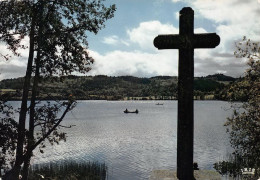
x,y
69,170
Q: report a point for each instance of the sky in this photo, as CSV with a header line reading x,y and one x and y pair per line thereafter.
x,y
125,45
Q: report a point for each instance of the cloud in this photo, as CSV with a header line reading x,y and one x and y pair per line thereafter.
x,y
145,33
232,11
16,65
144,60
177,15
219,65
142,64
112,40
230,19
234,19
136,63
147,61
12,69
200,30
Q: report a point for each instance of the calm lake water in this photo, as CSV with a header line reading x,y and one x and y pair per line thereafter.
x,y
133,145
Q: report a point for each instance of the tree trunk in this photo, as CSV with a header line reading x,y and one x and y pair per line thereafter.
x,y
13,174
31,121
31,141
32,116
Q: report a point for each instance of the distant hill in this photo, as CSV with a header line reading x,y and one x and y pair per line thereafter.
x,y
116,88
220,77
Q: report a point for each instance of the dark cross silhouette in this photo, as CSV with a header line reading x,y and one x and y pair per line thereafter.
x,y
186,41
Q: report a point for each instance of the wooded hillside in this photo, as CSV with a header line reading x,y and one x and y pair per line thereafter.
x,y
117,88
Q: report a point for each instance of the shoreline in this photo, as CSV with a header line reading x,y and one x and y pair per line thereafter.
x,y
119,100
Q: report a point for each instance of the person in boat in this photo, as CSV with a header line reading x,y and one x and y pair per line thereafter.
x,y
126,111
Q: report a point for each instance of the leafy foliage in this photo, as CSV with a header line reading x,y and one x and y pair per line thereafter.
x,y
206,85
244,124
57,46
8,135
232,166
220,77
64,24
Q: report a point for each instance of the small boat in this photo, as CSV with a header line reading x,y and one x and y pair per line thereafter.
x,y
136,111
159,104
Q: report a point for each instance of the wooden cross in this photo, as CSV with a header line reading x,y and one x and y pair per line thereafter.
x,y
186,41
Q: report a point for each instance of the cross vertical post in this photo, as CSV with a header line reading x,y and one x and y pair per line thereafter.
x,y
186,42
185,127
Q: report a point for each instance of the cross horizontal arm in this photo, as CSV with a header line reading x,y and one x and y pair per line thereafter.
x,y
207,40
169,41
172,41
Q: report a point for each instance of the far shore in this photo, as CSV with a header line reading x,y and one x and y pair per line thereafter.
x,y
140,99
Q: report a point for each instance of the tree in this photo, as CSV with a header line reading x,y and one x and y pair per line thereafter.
x,y
57,46
244,124
8,135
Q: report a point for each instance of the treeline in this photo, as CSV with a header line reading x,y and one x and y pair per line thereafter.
x,y
103,87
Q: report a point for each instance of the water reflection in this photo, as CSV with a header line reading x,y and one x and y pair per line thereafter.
x,y
132,145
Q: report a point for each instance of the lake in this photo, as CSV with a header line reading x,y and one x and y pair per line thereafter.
x,y
133,145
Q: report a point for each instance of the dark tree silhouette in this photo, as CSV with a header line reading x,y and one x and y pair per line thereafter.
x,y
57,46
244,124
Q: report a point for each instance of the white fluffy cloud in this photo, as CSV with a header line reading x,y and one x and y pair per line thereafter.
x,y
114,40
16,65
111,40
149,61
232,19
231,11
145,60
144,34
136,63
